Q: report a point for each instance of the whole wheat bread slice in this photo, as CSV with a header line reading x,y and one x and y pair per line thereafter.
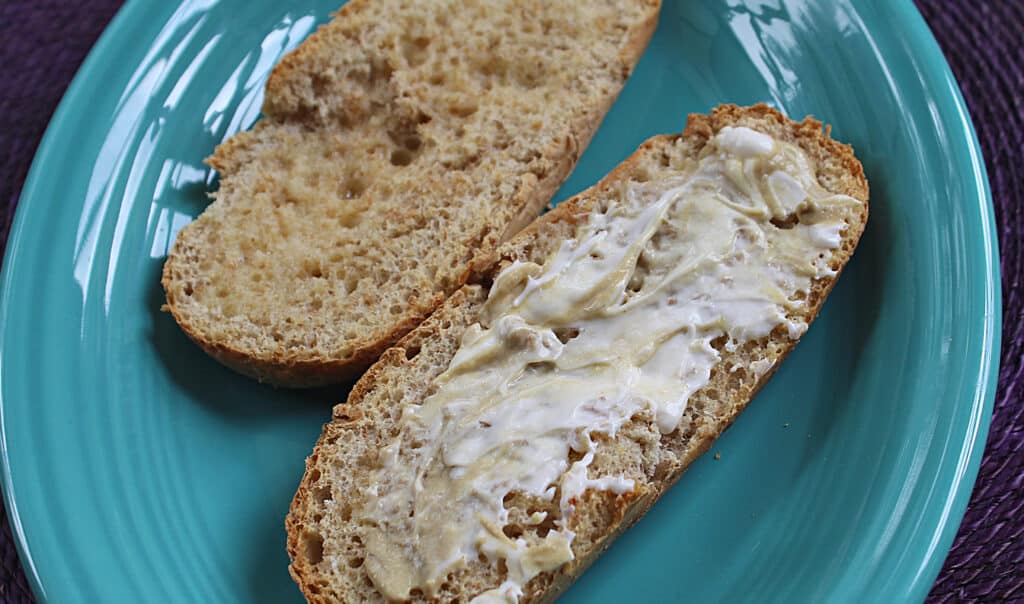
x,y
325,539
401,144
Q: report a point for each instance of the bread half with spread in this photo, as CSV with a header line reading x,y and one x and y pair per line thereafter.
x,y
501,446
401,144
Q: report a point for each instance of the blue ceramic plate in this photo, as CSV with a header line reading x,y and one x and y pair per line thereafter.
x,y
137,469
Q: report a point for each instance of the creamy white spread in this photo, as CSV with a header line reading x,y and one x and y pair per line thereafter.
x,y
619,320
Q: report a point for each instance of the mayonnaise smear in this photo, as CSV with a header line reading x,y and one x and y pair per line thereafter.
x,y
619,320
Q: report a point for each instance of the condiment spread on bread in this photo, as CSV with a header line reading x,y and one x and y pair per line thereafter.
x,y
620,319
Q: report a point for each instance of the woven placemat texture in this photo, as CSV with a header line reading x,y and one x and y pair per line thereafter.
x,y
43,42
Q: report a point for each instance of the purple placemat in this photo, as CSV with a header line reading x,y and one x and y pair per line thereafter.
x,y
43,42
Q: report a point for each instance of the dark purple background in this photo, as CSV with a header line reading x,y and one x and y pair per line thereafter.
x,y
43,42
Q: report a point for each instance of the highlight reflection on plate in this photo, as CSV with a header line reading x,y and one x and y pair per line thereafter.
x,y
137,469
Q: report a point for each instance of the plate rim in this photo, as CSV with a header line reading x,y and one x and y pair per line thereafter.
x,y
972,449
55,128
967,454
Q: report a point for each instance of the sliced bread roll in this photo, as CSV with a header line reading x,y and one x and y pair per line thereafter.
x,y
401,144
502,445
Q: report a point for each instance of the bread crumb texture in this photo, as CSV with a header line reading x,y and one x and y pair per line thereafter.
x,y
401,144
325,542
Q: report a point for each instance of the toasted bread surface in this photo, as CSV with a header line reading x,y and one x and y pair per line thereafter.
x,y
402,143
325,540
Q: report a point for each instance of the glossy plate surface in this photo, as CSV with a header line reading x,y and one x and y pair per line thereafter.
x,y
137,469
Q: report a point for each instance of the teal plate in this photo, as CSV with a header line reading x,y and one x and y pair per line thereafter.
x,y
136,469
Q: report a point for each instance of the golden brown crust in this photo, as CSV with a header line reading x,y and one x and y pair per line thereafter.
x,y
284,365
282,369
815,141
838,170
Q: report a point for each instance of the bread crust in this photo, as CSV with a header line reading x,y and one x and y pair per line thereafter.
x,y
838,170
283,365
